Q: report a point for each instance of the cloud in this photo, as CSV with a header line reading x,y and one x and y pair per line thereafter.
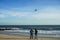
x,y
9,13
20,14
51,10
45,13
48,13
47,16
2,16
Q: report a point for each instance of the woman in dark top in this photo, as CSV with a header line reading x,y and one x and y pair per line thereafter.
x,y
31,34
36,33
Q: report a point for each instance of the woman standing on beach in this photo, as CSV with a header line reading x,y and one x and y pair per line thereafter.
x,y
31,34
36,33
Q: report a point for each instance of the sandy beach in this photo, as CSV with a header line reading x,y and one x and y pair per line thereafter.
x,y
18,37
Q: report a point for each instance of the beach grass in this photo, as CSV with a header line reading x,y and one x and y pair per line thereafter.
x,y
20,37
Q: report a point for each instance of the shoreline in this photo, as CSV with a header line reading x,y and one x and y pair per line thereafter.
x,y
6,36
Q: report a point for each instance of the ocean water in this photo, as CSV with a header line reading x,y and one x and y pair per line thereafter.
x,y
43,30
39,27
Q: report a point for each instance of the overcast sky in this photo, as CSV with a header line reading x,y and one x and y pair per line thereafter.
x,y
22,12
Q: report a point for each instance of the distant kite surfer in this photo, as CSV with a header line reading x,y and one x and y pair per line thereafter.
x,y
35,10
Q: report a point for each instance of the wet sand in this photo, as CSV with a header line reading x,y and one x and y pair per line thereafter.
x,y
18,37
